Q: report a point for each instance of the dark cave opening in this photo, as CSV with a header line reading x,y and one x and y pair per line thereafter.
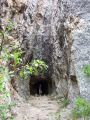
x,y
40,86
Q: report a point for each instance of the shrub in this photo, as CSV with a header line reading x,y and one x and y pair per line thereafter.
x,y
36,68
16,56
81,109
65,103
4,93
4,71
86,69
9,26
4,107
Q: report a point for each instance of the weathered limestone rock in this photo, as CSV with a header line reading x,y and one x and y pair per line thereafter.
x,y
45,31
71,24
81,9
40,29
82,57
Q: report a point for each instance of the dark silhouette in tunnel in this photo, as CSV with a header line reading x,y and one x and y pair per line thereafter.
x,y
39,87
42,87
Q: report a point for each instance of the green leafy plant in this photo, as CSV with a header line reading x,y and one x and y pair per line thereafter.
x,y
86,69
16,56
65,102
5,32
4,108
1,83
3,76
81,109
9,26
4,71
24,72
4,94
36,68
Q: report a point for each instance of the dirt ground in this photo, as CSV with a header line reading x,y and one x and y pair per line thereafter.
x,y
37,108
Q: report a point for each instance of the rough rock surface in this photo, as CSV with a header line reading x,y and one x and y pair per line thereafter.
x,y
42,30
82,56
81,42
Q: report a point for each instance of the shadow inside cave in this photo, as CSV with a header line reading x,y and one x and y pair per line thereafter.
x,y
40,86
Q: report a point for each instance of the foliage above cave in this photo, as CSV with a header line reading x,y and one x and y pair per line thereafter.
x,y
35,68
38,67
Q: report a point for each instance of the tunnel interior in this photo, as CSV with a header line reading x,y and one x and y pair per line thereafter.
x,y
40,86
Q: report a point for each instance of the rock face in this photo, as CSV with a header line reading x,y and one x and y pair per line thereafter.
x,y
81,43
82,56
46,30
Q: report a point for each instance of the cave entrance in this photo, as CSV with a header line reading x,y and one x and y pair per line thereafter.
x,y
40,86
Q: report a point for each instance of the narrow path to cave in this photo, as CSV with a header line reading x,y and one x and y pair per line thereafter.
x,y
38,108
